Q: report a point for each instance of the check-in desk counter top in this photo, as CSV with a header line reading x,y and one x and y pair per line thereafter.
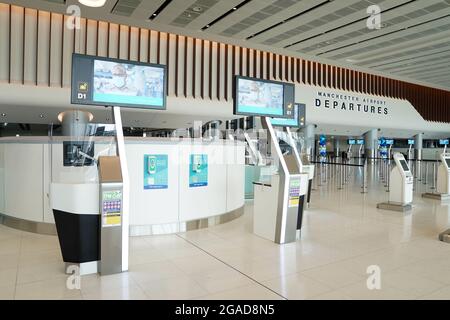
x,y
32,168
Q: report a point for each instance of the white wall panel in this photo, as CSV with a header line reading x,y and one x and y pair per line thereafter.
x,y
154,35
198,67
23,179
113,45
29,63
124,37
189,66
17,21
134,44
213,72
56,49
171,64
4,42
180,73
102,45
43,54
143,48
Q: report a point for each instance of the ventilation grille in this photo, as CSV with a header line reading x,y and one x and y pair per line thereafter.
x,y
364,31
125,7
193,12
259,16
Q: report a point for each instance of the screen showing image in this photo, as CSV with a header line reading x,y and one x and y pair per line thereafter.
x,y
351,142
112,82
411,142
297,122
389,142
360,141
448,162
443,142
121,83
404,165
259,98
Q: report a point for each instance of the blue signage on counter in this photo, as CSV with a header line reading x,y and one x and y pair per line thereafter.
x,y
198,170
443,142
156,170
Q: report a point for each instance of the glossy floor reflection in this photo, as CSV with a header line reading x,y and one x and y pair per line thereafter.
x,y
343,233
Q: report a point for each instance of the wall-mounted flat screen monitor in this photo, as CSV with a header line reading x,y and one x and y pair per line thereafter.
x,y
411,142
404,165
351,142
389,142
113,82
448,162
360,142
443,142
263,98
297,122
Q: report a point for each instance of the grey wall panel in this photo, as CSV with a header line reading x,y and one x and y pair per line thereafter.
x,y
30,49
4,42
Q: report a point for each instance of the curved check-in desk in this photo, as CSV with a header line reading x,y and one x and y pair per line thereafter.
x,y
33,180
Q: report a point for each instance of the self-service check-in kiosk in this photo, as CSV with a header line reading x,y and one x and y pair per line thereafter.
x,y
278,201
89,227
401,186
111,200
443,179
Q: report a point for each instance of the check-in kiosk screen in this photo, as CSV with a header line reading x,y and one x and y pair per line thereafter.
x,y
404,165
259,97
448,162
113,82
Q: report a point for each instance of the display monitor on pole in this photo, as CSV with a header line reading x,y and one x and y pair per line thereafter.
x,y
113,82
263,98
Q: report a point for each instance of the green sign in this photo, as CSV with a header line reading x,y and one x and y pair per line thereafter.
x,y
198,170
156,170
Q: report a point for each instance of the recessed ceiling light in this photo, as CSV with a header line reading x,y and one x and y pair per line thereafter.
x,y
93,3
41,116
197,9
17,135
234,8
3,114
154,14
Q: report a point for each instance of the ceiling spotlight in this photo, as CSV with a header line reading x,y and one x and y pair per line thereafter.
x,y
207,26
3,114
93,3
234,8
41,116
197,9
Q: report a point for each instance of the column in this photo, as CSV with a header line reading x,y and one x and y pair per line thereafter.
x,y
309,132
370,142
337,147
75,123
418,142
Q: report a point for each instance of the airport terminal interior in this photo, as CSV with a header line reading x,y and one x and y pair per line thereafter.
x,y
224,150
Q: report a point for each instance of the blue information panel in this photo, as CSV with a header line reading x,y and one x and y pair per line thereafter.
x,y
198,170
411,142
389,142
443,142
351,142
360,141
156,171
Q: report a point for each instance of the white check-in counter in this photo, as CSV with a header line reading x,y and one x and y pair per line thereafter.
x,y
34,179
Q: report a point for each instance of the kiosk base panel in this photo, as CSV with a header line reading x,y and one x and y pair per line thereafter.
x,y
394,206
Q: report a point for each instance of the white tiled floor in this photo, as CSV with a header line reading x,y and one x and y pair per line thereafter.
x,y
343,233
